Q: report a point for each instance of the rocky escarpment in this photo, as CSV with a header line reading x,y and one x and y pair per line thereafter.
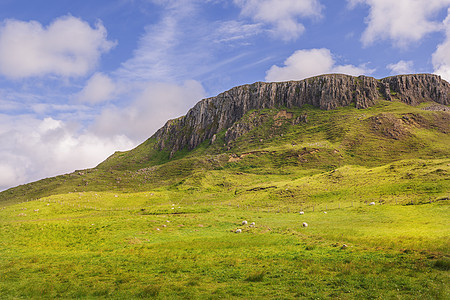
x,y
417,88
212,115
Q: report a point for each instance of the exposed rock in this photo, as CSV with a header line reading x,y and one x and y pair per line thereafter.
x,y
214,137
397,128
417,88
389,126
240,128
437,107
212,115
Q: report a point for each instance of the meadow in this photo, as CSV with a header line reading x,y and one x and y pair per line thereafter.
x,y
155,244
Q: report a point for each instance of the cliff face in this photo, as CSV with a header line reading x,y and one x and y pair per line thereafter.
x,y
212,115
417,88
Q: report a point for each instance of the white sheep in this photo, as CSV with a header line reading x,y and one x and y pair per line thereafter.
x,y
252,224
302,213
238,231
244,222
305,224
324,212
372,203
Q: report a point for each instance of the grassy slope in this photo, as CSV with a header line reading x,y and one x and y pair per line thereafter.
x,y
104,232
277,151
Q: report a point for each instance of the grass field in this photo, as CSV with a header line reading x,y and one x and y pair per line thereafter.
x,y
113,245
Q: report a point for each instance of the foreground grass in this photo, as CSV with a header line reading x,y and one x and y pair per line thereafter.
x,y
106,245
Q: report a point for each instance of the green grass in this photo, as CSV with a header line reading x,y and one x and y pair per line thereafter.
x,y
108,250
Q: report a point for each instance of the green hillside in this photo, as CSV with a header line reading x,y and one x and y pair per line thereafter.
x,y
373,185
407,144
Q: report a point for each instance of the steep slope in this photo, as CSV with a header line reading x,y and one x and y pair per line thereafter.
x,y
210,116
287,130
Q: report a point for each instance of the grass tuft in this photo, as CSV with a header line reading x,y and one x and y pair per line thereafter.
x,y
442,264
149,291
257,276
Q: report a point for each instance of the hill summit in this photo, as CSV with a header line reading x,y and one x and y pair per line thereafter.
x,y
209,116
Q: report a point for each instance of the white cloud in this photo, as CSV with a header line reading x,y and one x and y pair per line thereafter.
x,y
441,58
34,148
10,175
307,63
151,60
282,15
232,31
401,21
402,67
99,88
171,50
68,47
153,106
184,44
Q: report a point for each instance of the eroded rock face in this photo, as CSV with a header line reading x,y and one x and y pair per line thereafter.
x,y
210,116
417,88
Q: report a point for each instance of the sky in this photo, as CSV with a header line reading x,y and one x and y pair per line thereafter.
x,y
82,79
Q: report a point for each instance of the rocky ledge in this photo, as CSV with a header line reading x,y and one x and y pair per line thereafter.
x,y
210,116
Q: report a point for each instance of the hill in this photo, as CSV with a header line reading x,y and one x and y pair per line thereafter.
x,y
287,129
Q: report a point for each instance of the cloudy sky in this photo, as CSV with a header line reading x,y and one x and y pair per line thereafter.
x,y
82,79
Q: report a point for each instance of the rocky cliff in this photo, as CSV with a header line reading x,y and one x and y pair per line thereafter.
x,y
212,115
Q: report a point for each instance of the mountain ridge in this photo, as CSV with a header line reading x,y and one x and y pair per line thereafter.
x,y
211,115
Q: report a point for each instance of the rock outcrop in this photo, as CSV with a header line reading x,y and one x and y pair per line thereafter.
x,y
210,116
417,88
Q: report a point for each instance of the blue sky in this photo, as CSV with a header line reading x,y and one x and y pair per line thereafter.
x,y
82,79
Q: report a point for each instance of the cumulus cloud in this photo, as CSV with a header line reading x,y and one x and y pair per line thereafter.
x,y
401,21
99,88
152,107
307,63
441,58
33,148
282,15
68,47
402,67
10,175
